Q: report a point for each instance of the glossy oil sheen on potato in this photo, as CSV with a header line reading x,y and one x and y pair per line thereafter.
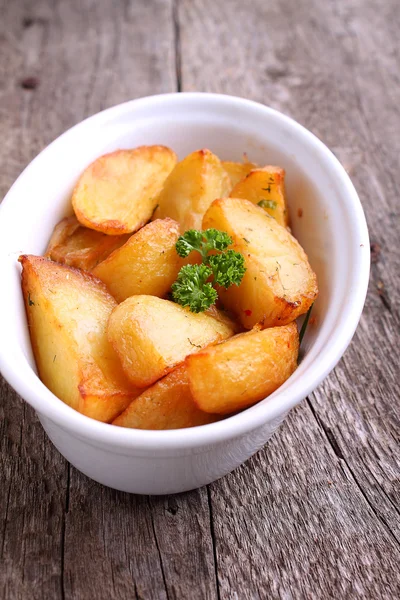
x,y
279,284
191,187
266,188
152,336
168,404
147,264
243,370
77,246
67,314
237,170
117,193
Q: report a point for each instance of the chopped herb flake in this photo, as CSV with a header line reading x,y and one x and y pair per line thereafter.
x,y
271,204
191,343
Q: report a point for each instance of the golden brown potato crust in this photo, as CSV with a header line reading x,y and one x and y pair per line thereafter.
x,y
146,264
118,192
168,404
241,371
152,336
191,187
147,362
237,170
77,246
266,188
279,284
67,312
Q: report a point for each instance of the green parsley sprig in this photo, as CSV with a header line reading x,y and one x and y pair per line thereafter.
x,y
225,267
202,241
191,288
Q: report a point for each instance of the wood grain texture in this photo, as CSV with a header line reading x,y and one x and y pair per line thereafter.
x,y
321,516
135,546
32,502
292,524
316,513
85,56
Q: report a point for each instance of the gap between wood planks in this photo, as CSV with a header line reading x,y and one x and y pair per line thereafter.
x,y
213,539
178,71
178,76
333,443
326,431
158,548
63,525
177,44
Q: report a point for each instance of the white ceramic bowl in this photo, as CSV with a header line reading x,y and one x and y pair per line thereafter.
x,y
332,229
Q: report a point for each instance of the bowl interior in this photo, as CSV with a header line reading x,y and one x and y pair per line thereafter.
x,y
326,216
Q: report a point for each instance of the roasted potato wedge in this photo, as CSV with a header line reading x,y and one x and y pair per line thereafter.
x,y
118,192
279,284
147,264
237,170
243,370
67,312
152,336
191,187
225,318
265,187
168,404
77,246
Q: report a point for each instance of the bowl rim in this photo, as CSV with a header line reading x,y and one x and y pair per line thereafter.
x,y
279,403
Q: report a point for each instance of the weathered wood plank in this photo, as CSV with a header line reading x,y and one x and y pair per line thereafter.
x,y
61,535
117,556
292,524
32,502
334,67
183,532
83,56
136,547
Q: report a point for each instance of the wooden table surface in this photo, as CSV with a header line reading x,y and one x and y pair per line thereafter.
x,y
315,514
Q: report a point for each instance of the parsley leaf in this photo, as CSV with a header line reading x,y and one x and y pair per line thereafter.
x,y
271,204
202,242
228,268
191,288
191,240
